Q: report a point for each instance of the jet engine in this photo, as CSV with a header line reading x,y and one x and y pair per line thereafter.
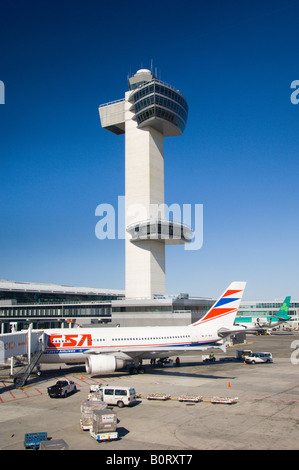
x,y
103,363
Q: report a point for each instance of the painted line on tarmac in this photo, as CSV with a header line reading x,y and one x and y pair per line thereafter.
x,y
282,400
22,392
82,380
9,391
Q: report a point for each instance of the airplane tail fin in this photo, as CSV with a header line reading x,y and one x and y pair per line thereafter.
x,y
284,309
223,313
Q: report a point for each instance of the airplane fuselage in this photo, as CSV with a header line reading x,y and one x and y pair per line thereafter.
x,y
108,349
72,345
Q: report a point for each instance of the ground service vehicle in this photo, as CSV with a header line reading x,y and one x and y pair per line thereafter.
x,y
241,354
119,396
258,357
208,358
62,388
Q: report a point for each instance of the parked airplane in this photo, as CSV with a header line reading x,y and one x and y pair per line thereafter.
x,y
274,321
105,350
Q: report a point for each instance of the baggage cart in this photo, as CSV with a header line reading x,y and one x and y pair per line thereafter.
x,y
32,440
104,436
157,396
190,398
224,401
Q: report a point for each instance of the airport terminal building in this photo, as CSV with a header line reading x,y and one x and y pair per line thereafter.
x,y
261,312
57,306
53,305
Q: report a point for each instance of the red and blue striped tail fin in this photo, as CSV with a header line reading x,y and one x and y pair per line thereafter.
x,y
223,312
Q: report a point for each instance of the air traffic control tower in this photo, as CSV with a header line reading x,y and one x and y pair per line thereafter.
x,y
150,111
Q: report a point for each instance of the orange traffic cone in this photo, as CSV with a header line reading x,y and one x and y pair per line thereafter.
x,y
229,385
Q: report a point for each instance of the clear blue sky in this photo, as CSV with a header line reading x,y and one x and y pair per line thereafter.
x,y
234,62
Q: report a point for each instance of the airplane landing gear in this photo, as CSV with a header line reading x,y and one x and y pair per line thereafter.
x,y
137,368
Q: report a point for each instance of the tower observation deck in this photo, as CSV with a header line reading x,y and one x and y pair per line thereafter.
x,y
150,111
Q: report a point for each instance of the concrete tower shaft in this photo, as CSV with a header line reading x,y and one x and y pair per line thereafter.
x,y
150,111
144,170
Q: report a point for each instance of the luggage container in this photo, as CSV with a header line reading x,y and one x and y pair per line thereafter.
x,y
104,421
54,444
104,424
96,396
87,409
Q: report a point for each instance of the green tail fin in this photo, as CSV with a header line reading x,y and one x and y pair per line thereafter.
x,y
284,309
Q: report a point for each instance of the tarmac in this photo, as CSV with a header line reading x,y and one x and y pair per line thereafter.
x,y
264,417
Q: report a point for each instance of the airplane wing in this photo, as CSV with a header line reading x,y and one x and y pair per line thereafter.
x,y
225,332
281,320
268,326
144,352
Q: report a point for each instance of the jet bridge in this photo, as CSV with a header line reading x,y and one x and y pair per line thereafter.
x,y
26,344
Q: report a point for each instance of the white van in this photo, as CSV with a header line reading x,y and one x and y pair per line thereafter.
x,y
258,357
119,396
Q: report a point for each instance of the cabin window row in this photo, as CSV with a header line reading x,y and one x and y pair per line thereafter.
x,y
150,338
